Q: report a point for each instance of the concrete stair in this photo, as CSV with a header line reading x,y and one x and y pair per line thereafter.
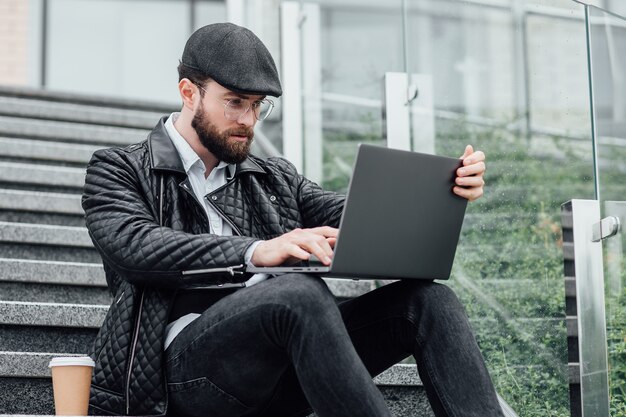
x,y
53,295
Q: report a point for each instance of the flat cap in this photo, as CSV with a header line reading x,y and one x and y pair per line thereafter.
x,y
234,57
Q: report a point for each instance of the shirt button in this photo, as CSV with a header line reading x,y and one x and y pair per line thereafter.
x,y
213,197
272,198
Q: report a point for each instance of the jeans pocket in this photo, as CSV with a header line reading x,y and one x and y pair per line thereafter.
x,y
201,397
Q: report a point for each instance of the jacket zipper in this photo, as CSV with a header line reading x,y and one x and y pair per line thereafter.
x,y
132,353
230,269
226,219
220,212
161,204
193,196
138,319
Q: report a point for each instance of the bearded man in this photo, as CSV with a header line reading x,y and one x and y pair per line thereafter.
x,y
177,217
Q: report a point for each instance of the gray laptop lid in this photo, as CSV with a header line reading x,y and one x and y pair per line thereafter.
x,y
401,218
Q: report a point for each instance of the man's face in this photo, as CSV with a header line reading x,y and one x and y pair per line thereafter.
x,y
227,140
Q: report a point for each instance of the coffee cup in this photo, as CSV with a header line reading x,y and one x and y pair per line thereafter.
x,y
71,380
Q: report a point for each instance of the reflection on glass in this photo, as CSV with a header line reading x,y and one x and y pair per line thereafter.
x,y
358,44
509,77
608,51
512,82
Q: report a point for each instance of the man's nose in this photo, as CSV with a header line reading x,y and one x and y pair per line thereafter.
x,y
247,118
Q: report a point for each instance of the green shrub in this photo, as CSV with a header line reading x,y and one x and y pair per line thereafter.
x,y
509,265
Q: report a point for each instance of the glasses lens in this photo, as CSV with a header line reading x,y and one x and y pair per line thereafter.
x,y
234,109
264,109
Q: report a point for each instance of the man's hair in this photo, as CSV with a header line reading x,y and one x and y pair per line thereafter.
x,y
195,76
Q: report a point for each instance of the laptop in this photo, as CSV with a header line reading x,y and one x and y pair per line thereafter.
x,y
400,219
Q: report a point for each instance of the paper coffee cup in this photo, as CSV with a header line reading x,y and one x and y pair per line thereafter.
x,y
71,380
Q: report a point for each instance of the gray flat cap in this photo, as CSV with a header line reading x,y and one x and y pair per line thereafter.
x,y
234,57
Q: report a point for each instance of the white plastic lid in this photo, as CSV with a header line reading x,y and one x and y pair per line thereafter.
x,y
72,361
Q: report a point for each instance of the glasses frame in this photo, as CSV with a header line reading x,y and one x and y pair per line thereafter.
x,y
226,102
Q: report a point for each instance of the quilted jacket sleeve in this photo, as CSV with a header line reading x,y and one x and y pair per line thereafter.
x,y
317,206
126,232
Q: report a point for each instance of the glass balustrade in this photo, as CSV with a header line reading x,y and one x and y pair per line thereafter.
x,y
510,78
607,36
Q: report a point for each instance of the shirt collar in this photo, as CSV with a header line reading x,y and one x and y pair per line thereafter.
x,y
188,156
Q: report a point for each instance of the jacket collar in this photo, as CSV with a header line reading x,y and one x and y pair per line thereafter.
x,y
164,156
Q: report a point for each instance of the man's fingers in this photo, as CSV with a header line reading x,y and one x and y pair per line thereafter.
x,y
322,250
470,181
474,157
314,241
474,169
470,194
296,245
314,249
296,251
325,231
468,151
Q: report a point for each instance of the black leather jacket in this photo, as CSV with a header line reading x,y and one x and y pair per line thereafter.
x,y
153,236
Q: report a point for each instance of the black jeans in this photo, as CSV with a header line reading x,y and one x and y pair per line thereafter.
x,y
284,347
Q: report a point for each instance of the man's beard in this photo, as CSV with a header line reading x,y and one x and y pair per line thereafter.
x,y
219,143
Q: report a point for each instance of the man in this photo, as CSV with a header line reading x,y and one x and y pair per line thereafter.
x,y
178,216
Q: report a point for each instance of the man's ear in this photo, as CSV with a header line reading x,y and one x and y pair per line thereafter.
x,y
187,90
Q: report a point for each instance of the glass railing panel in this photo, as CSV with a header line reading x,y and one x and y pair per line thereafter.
x,y
359,41
607,41
510,78
557,77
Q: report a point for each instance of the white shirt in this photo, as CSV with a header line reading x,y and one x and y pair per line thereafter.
x,y
195,169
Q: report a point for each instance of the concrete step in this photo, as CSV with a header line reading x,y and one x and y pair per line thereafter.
x,y
45,242
66,236
15,313
35,108
40,234
45,293
66,203
43,202
44,176
35,365
49,327
21,206
27,373
48,252
70,132
73,282
48,272
47,151
84,274
87,99
46,339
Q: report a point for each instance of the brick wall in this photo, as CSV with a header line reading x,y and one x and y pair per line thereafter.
x,y
14,42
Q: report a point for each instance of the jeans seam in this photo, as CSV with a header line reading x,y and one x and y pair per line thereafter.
x,y
445,402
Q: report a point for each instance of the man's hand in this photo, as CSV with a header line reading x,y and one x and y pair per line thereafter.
x,y
297,245
469,178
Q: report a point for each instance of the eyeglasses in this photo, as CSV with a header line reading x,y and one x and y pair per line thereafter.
x,y
237,107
